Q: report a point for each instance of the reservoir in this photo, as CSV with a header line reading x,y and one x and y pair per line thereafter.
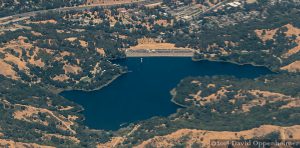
x,y
144,92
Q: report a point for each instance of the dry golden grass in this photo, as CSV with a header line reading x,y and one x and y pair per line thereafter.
x,y
27,114
101,51
261,98
113,143
72,69
17,45
268,36
66,108
7,70
291,31
71,39
44,22
203,136
61,78
83,43
16,60
152,44
72,138
116,141
12,144
36,33
211,98
293,67
30,111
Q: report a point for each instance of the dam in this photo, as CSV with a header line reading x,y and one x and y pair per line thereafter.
x,y
159,53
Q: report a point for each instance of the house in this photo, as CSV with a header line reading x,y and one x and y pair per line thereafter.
x,y
234,4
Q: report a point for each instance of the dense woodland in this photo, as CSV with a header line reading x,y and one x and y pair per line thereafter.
x,y
111,37
17,93
218,115
288,86
57,43
248,45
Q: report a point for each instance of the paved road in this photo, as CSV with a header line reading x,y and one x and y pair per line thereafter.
x,y
22,16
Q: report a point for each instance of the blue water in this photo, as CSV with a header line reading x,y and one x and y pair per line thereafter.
x,y
145,91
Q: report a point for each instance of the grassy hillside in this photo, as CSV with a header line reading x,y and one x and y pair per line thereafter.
x,y
73,50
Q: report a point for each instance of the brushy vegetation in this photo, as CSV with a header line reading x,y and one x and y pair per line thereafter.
x,y
215,115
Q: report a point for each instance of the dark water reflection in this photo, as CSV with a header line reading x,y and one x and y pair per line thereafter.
x,y
144,92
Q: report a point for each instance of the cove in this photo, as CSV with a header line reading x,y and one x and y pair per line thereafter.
x,y
144,92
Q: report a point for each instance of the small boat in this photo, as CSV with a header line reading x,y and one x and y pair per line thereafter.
x,y
141,60
123,124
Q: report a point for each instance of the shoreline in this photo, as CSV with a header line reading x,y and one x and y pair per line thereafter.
x,y
157,56
57,91
173,93
159,53
60,90
233,62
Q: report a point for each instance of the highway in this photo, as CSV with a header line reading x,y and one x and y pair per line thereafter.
x,y
23,16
